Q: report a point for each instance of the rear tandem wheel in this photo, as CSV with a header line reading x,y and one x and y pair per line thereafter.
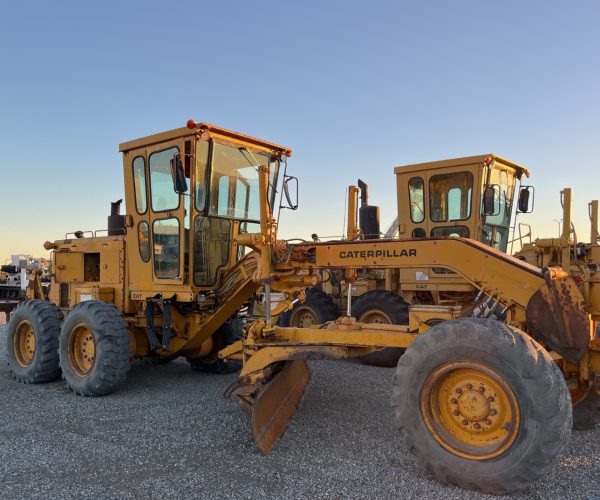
x,y
32,342
94,349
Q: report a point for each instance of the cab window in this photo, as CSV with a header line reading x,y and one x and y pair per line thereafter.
x,y
416,195
450,232
144,240
163,195
139,184
211,248
202,151
234,191
165,235
450,196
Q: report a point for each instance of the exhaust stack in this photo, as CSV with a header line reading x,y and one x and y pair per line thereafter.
x,y
368,215
116,221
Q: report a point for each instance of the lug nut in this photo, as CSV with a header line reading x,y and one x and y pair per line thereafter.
x,y
465,422
491,399
482,389
493,412
477,426
456,413
454,401
469,386
458,390
488,422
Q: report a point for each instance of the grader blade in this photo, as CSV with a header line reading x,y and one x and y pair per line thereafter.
x,y
276,403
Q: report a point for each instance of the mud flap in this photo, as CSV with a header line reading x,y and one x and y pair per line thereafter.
x,y
276,403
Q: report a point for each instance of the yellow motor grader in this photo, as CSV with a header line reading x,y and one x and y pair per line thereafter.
x,y
434,199
484,403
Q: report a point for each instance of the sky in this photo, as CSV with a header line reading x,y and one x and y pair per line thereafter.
x,y
354,88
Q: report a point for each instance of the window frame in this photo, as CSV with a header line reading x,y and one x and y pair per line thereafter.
x,y
446,193
272,186
153,248
172,209
458,226
410,201
229,246
207,176
139,241
135,198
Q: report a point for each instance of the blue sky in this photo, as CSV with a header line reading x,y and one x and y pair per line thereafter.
x,y
355,88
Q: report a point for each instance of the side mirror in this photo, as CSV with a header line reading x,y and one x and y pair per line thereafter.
x,y
179,181
491,200
290,191
525,197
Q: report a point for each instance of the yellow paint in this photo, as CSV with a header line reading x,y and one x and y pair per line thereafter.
x,y
470,410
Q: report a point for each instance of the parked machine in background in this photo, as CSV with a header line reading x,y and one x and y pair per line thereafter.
x,y
436,199
14,279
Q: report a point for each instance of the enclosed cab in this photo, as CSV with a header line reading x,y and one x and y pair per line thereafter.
x,y
183,243
470,197
445,198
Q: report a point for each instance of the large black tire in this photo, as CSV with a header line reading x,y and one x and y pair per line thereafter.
x,y
521,452
32,342
383,307
99,329
318,308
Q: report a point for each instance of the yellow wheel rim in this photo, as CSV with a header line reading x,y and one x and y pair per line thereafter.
x,y
82,349
375,316
24,343
304,317
470,410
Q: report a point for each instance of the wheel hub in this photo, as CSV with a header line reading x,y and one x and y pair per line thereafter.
x,y
82,349
375,316
24,343
474,406
470,410
304,318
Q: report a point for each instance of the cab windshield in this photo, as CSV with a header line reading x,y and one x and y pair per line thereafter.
x,y
496,228
233,191
226,187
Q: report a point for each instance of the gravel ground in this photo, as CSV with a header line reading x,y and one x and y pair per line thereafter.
x,y
170,433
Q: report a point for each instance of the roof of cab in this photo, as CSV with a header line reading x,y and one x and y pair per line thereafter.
x,y
465,160
210,131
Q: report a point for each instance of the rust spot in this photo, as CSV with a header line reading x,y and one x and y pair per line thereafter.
x,y
557,316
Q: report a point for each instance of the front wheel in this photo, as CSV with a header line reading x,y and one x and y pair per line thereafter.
x,y
94,349
482,405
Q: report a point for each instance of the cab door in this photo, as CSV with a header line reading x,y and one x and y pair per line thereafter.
x,y
166,216
156,242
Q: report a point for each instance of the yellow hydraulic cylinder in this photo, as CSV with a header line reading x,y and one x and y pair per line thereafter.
x,y
353,231
566,227
593,211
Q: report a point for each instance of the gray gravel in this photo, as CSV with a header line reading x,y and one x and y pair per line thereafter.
x,y
170,433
